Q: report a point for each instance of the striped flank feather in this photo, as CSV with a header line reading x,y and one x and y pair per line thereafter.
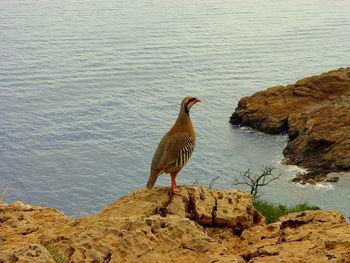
x,y
185,153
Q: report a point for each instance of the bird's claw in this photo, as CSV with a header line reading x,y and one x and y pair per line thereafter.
x,y
175,191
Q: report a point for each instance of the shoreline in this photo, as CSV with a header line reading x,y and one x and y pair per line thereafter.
x,y
314,114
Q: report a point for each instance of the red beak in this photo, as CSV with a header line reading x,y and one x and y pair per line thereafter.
x,y
198,100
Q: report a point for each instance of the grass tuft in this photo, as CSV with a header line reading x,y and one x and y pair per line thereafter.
x,y
272,212
56,255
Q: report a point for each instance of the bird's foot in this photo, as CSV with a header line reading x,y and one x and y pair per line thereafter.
x,y
174,190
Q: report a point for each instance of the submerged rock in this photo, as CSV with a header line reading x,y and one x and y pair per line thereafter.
x,y
199,225
314,112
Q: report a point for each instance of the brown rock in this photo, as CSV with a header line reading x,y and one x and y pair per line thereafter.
x,y
310,236
314,112
26,253
199,225
144,226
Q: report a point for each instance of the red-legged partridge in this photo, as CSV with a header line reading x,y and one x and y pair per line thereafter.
x,y
176,147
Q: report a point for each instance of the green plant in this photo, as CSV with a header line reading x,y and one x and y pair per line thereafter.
x,y
56,255
272,212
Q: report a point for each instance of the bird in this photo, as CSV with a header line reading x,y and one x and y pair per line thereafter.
x,y
176,147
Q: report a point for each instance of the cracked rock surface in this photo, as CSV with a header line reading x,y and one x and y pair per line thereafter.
x,y
314,112
199,225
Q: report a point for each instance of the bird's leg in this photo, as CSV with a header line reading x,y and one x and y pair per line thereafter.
x,y
173,183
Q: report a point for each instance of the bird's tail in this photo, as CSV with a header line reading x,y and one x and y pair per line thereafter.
x,y
152,178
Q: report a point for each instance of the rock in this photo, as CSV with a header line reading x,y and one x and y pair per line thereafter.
x,y
314,112
310,236
144,226
199,225
26,253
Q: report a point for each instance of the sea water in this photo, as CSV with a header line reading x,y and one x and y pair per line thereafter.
x,y
88,88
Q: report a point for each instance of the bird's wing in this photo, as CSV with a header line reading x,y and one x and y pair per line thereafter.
x,y
172,148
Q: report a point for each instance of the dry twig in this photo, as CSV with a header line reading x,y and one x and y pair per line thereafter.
x,y
255,181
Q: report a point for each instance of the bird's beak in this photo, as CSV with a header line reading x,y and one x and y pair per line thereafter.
x,y
198,100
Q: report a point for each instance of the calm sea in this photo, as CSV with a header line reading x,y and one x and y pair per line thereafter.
x,y
88,88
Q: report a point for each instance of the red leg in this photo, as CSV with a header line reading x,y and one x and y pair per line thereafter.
x,y
173,183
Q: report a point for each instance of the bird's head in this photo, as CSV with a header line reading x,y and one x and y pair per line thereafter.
x,y
188,102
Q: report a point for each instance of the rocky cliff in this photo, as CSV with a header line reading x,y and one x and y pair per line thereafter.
x,y
314,112
199,225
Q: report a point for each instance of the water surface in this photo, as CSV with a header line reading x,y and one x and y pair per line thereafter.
x,y
88,88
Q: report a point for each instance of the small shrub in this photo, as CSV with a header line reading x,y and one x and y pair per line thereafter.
x,y
272,212
56,255
254,181
3,192
212,182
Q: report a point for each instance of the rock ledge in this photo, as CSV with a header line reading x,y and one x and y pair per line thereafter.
x,y
199,225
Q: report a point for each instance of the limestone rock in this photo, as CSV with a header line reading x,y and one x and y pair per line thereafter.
x,y
314,112
26,253
199,225
144,226
310,236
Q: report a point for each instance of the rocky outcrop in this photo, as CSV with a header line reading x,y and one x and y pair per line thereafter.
x,y
310,236
314,112
199,225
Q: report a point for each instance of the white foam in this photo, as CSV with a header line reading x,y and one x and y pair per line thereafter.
x,y
317,187
324,186
296,169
